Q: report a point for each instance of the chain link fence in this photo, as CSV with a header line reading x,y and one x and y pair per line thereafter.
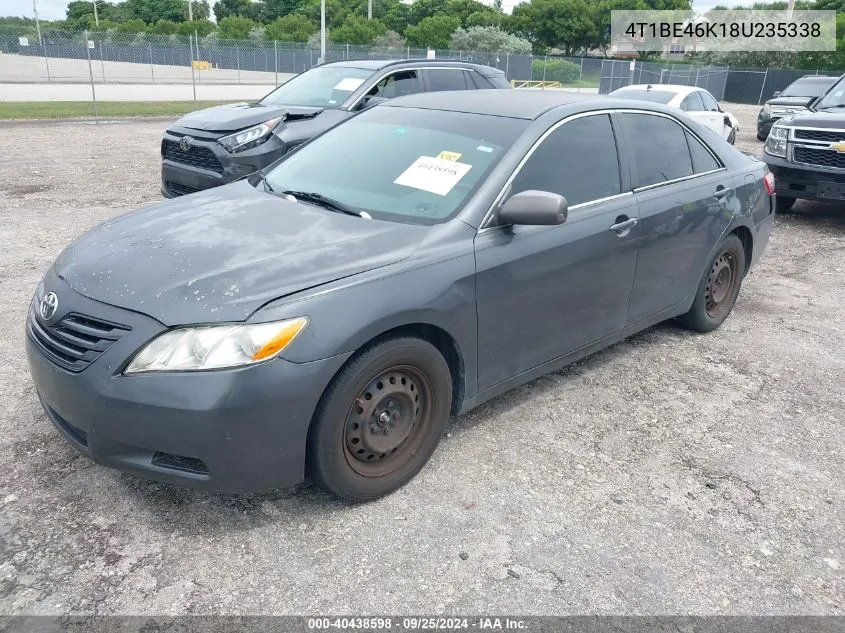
x,y
62,66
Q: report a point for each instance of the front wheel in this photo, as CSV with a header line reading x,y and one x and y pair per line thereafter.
x,y
732,137
719,287
381,419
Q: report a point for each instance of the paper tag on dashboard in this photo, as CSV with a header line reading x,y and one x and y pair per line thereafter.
x,y
433,174
349,84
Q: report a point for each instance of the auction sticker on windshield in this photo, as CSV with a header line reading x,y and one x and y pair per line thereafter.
x,y
349,84
433,174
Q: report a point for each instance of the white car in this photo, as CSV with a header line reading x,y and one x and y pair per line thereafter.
x,y
696,102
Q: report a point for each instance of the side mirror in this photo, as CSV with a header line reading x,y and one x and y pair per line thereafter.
x,y
369,102
533,208
776,93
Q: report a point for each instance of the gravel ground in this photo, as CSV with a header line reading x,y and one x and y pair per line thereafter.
x,y
671,473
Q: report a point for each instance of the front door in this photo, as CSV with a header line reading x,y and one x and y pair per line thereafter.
x,y
543,291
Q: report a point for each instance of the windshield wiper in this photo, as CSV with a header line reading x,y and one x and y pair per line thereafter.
x,y
324,201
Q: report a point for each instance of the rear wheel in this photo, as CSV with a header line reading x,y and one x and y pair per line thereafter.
x,y
732,137
719,287
784,204
380,420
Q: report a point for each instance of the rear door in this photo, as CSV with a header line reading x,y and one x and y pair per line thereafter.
x,y
685,198
693,105
438,79
543,291
719,120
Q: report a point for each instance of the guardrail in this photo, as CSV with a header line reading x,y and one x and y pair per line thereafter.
x,y
534,85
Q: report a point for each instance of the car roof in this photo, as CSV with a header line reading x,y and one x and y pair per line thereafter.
x,y
678,89
516,104
378,64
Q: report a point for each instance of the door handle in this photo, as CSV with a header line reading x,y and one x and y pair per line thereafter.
x,y
721,192
623,225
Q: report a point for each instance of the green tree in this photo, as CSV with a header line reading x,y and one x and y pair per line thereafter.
x,y
235,28
488,39
151,11
390,41
200,27
164,27
484,18
294,27
271,10
433,32
358,30
567,25
397,17
135,25
234,8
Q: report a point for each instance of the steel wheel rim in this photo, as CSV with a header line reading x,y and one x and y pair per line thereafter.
x,y
721,285
388,421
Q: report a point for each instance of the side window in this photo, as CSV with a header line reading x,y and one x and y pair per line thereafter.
x,y
578,160
477,79
446,79
396,85
702,159
693,103
646,133
709,102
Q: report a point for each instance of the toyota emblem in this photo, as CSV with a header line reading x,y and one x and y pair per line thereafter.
x,y
185,143
49,305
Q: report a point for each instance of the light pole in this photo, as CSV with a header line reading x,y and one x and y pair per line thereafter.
x,y
369,9
322,31
96,17
37,25
190,12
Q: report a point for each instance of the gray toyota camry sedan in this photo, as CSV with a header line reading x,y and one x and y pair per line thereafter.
x,y
327,316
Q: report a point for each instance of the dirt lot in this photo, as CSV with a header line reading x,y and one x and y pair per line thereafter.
x,y
672,473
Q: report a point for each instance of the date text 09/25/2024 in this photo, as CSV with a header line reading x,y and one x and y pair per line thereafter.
x,y
417,624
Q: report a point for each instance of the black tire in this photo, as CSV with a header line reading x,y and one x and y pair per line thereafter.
x,y
783,204
380,419
760,137
732,137
719,287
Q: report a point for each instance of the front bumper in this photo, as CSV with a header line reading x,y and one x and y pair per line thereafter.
x,y
805,181
239,430
182,173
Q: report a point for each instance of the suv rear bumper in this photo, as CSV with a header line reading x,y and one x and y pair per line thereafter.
x,y
805,181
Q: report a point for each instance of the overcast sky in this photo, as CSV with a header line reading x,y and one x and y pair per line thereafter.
x,y
55,9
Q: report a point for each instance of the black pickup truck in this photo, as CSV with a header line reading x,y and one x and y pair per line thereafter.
x,y
806,151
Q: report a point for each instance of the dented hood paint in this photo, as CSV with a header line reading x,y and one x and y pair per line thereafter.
x,y
237,116
221,254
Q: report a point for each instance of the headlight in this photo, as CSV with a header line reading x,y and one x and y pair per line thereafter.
x,y
215,346
249,137
766,110
776,143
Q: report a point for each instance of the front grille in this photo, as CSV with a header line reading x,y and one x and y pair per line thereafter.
x,y
820,157
76,341
178,189
196,156
832,136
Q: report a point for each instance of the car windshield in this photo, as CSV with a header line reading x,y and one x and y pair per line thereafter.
x,y
833,98
655,96
324,87
807,87
400,164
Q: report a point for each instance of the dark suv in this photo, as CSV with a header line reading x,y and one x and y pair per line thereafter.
x,y
806,151
217,145
793,100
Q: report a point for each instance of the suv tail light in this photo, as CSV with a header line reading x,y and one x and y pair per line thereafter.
x,y
769,181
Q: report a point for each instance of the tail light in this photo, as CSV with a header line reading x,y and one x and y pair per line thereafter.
x,y
769,181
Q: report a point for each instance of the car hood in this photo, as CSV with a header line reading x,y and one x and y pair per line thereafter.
x,y
834,119
221,254
789,101
237,116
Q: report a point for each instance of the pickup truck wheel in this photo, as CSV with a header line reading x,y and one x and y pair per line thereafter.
x,y
783,204
718,288
760,137
380,419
